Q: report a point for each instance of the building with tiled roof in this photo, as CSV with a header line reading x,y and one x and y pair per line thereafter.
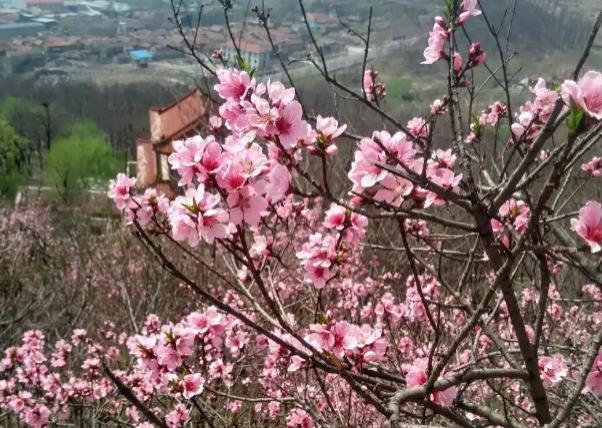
x,y
257,54
184,118
46,5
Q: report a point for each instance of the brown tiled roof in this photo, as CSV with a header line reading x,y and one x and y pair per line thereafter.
x,y
259,48
36,2
62,41
175,120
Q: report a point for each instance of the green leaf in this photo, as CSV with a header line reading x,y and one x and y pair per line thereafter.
x,y
321,318
575,118
243,65
449,5
476,125
193,208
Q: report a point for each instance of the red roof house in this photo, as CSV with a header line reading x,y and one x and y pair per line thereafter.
x,y
184,118
47,5
257,54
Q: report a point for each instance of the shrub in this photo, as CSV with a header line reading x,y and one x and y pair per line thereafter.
x,y
82,160
13,159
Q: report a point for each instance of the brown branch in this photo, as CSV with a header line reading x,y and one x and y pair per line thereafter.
x,y
131,397
471,375
588,46
588,362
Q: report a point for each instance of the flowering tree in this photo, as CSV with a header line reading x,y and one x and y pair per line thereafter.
x,y
487,314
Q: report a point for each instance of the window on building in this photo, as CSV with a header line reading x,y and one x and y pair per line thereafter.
x,y
131,169
163,167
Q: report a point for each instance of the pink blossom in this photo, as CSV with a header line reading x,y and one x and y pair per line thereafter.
x,y
215,122
517,212
467,10
217,369
258,115
457,62
196,215
234,406
211,160
525,120
477,55
37,416
232,178
78,336
418,127
251,161
553,369
215,320
192,385
175,345
352,224
235,116
364,172
585,94
371,343
472,137
119,190
214,225
278,183
589,225
144,209
246,206
299,419
274,409
438,107
593,382
534,114
372,89
545,99
186,158
318,256
417,228
440,171
336,339
441,159
178,417
233,84
290,126
492,115
327,130
436,44
133,414
279,94
236,342
393,190
593,167
321,338
368,83
336,217
416,376
515,216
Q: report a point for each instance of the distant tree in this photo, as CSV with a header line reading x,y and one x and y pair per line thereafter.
x,y
37,123
80,160
13,159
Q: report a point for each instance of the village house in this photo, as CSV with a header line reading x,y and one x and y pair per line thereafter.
x,y
46,5
257,54
184,118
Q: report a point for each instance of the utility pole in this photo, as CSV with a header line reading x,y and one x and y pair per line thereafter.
x,y
47,125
